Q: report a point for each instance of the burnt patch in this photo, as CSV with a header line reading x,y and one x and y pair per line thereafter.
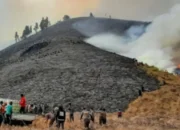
x,y
35,48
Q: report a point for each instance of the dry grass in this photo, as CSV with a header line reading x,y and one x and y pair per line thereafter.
x,y
134,123
163,102
158,110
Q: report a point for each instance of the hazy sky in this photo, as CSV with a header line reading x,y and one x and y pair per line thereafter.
x,y
15,14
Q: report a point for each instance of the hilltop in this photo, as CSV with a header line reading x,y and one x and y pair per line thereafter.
x,y
57,66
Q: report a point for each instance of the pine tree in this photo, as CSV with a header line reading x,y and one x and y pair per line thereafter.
x,y
36,27
30,29
66,17
91,15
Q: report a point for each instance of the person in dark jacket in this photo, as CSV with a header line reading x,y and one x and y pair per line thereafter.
x,y
102,117
60,117
71,113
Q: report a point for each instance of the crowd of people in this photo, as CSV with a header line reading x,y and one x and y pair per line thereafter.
x,y
6,110
58,114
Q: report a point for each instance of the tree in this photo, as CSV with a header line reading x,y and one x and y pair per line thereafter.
x,y
42,24
91,15
47,23
30,29
36,27
66,17
26,32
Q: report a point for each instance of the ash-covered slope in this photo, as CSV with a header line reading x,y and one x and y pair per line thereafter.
x,y
65,69
77,27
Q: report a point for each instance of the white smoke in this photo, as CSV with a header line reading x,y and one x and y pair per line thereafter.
x,y
154,47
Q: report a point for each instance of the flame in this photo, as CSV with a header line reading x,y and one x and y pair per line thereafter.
x,y
178,66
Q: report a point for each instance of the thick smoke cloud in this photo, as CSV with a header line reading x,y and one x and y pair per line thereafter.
x,y
154,47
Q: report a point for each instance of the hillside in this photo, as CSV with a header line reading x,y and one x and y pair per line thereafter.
x,y
157,110
78,27
57,66
164,102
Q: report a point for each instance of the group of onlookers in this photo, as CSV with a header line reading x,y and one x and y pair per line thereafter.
x,y
6,110
58,115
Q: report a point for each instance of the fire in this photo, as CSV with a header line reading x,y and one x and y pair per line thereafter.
x,y
178,66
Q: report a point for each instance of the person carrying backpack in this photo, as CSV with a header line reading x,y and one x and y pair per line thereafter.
x,y
60,117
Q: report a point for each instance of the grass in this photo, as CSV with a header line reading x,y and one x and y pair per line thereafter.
x,y
163,102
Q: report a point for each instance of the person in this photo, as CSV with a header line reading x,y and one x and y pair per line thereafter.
x,y
102,117
9,112
55,110
140,93
119,113
22,104
1,113
142,88
30,108
39,109
16,36
60,117
92,114
85,114
50,116
71,113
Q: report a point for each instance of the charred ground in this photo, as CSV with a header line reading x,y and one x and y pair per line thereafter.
x,y
57,66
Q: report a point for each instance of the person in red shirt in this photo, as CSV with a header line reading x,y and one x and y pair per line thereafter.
x,y
119,113
22,104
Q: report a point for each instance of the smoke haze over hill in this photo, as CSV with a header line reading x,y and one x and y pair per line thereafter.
x,y
154,47
14,13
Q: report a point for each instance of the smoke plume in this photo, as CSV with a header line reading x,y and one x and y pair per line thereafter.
x,y
154,47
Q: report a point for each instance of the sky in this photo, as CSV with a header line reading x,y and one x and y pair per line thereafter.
x,y
15,14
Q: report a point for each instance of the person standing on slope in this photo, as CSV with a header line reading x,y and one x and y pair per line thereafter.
x,y
119,113
92,114
86,116
102,117
71,113
60,117
9,112
1,113
22,104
